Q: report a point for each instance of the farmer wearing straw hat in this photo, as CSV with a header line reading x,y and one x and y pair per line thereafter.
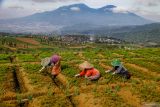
x,y
54,62
118,68
88,71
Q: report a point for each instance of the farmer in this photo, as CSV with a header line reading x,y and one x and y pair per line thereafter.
x,y
53,62
88,71
118,68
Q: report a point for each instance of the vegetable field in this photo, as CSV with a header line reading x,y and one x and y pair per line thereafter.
x,y
21,84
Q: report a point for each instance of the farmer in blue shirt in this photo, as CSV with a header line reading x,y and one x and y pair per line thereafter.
x,y
118,68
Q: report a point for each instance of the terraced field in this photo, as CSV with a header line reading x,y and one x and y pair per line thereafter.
x,y
21,85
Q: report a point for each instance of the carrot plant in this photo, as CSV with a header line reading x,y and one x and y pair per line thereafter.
x,y
26,58
4,58
32,68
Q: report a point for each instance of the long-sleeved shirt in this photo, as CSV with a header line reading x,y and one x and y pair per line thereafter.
x,y
89,72
120,69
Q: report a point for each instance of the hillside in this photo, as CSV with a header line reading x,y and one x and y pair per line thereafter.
x,y
137,34
22,85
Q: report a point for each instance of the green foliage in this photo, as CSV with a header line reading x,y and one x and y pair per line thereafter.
x,y
4,58
32,68
3,70
26,58
146,57
69,72
148,92
76,91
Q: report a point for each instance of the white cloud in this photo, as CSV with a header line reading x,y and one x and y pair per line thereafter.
x,y
150,3
8,13
42,1
119,10
77,9
16,7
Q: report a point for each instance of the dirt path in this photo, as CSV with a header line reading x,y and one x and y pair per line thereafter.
x,y
62,79
22,95
129,98
105,66
132,53
87,100
101,56
26,81
18,63
118,55
9,83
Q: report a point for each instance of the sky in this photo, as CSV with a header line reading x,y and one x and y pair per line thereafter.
x,y
149,9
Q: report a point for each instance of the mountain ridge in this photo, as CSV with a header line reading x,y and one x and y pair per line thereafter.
x,y
53,21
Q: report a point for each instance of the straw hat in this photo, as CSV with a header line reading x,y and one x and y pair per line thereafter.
x,y
85,65
45,61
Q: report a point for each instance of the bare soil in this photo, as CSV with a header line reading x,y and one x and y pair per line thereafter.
x,y
28,40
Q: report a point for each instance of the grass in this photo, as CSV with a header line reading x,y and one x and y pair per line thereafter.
x,y
32,68
142,84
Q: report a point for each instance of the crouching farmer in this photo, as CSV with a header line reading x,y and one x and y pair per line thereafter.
x,y
118,68
54,63
88,71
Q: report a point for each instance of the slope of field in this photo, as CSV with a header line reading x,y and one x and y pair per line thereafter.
x,y
21,84
28,40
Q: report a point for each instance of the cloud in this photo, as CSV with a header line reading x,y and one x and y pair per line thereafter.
x,y
1,2
151,13
146,8
149,3
119,10
54,0
75,9
7,13
16,7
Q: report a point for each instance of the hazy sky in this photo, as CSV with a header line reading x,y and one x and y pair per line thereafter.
x,y
149,9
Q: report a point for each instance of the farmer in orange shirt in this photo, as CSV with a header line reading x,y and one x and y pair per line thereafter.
x,y
88,71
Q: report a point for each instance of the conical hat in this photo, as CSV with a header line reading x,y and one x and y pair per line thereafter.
x,y
45,61
85,65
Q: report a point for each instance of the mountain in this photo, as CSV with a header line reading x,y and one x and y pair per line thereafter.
x,y
149,33
72,15
146,34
